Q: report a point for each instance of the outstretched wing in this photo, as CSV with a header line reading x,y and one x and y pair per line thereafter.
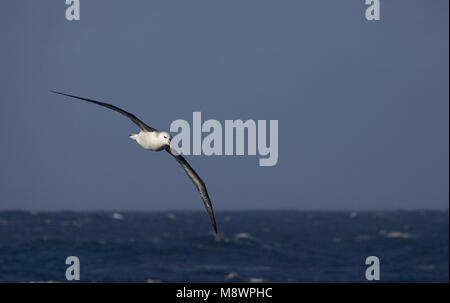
x,y
199,184
132,117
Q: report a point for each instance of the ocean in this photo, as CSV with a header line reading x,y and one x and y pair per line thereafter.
x,y
252,246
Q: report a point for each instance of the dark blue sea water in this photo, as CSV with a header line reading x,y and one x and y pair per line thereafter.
x,y
253,246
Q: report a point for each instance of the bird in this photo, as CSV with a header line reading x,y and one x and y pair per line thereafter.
x,y
155,140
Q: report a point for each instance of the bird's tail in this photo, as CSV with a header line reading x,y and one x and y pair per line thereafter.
x,y
133,136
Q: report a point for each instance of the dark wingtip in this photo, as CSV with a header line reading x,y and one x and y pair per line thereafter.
x,y
59,93
213,220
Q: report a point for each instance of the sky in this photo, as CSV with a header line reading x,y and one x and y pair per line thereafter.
x,y
362,106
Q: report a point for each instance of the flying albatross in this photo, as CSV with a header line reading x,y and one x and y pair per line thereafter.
x,y
155,140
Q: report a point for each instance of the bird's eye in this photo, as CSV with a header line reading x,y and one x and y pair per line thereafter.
x,y
165,137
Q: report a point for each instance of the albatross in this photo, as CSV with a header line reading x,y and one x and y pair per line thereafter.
x,y
152,139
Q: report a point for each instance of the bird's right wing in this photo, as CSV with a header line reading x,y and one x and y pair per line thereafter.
x,y
199,184
132,117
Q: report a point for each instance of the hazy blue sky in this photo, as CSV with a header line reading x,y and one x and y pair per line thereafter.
x,y
362,106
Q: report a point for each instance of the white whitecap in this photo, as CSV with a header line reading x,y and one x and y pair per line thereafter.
x,y
117,216
399,235
396,234
243,235
232,275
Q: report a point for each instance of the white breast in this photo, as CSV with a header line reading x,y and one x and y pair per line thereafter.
x,y
150,140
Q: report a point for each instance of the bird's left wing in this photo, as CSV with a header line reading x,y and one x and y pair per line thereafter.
x,y
199,184
132,117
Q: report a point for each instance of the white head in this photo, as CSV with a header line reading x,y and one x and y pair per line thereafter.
x,y
164,138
